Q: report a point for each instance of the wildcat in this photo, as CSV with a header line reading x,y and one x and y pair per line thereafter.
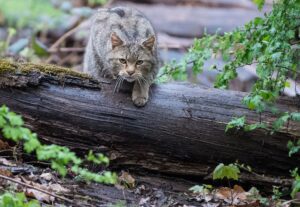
x,y
123,46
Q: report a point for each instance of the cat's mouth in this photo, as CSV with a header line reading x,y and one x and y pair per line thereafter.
x,y
129,79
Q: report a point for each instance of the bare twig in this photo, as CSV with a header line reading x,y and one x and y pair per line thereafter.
x,y
72,31
67,49
35,188
64,37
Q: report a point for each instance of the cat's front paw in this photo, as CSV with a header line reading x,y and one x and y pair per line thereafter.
x,y
140,101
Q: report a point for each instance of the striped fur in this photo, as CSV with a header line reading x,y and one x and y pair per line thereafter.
x,y
123,46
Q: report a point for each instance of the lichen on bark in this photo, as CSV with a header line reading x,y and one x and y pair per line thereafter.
x,y
9,66
16,74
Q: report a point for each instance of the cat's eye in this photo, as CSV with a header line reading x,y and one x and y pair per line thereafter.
x,y
123,61
139,62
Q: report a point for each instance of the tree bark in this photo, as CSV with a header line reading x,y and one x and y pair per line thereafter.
x,y
179,132
211,3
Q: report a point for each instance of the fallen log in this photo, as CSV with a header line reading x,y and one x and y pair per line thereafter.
x,y
209,3
179,132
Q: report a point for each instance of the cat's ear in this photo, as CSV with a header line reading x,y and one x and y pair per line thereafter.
x,y
149,43
115,40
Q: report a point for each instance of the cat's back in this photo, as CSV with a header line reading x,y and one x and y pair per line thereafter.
x,y
130,24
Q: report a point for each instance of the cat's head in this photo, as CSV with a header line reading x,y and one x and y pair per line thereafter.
x,y
131,61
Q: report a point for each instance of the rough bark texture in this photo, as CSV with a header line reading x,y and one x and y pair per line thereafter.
x,y
179,132
211,3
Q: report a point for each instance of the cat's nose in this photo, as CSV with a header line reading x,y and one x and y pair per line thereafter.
x,y
130,72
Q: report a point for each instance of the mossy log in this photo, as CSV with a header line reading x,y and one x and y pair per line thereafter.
x,y
179,132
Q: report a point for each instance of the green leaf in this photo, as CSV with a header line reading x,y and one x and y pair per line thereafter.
x,y
226,171
295,116
256,102
201,188
295,188
98,158
258,21
2,122
293,147
33,203
12,133
31,145
38,48
278,124
197,189
252,127
276,56
259,3
14,119
236,123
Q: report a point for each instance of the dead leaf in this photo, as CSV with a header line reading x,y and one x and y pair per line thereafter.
x,y
235,196
144,201
126,179
239,193
40,196
58,188
3,145
6,162
5,172
139,190
47,176
224,193
251,204
238,189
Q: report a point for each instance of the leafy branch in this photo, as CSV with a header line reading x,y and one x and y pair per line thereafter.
x,y
60,157
265,42
272,43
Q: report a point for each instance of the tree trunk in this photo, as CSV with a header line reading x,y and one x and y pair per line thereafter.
x,y
180,131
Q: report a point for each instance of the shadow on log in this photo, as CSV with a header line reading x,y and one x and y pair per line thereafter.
x,y
180,131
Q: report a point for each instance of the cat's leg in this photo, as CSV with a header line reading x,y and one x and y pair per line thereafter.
x,y
140,94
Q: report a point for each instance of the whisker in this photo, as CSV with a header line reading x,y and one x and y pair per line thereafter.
x,y
139,81
145,81
116,89
121,83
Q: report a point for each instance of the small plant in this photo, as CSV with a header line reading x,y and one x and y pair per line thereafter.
x,y
296,183
17,200
96,2
271,43
230,172
277,194
243,166
203,190
293,146
236,123
4,45
60,157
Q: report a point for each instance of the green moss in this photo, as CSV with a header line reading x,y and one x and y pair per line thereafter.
x,y
51,69
8,66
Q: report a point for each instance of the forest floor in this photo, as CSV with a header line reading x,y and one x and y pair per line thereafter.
x,y
143,189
